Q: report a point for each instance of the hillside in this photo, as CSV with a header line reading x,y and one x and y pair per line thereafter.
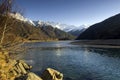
x,y
107,29
55,33
18,30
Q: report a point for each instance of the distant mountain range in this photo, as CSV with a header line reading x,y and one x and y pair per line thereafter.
x,y
77,32
20,28
107,29
74,30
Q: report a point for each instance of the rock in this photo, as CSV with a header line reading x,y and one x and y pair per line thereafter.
x,y
14,72
22,77
32,76
51,74
26,66
19,70
21,67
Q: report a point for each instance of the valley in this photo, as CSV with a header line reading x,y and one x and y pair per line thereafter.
x,y
59,40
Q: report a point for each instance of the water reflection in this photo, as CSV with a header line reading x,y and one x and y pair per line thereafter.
x,y
75,62
86,54
111,52
58,50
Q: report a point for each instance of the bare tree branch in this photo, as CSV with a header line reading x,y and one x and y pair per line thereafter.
x,y
5,9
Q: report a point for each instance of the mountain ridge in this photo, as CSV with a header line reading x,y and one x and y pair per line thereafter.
x,y
64,27
18,30
107,29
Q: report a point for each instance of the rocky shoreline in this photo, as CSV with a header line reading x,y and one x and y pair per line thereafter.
x,y
19,70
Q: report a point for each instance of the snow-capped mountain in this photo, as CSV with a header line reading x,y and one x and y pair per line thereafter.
x,y
80,27
74,30
67,28
22,18
78,30
41,23
64,27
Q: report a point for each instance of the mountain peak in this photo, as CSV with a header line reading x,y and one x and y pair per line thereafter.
x,y
18,16
107,29
64,27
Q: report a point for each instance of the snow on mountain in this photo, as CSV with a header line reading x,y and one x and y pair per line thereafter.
x,y
18,16
64,27
39,22
79,28
22,18
67,28
30,22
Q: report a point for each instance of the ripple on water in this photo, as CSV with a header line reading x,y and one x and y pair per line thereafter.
x,y
75,62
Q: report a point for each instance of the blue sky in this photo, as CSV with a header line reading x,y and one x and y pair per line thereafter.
x,y
75,12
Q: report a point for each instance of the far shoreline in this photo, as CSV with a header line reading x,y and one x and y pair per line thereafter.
x,y
107,43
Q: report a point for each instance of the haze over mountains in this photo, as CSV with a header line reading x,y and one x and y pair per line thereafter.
x,y
107,29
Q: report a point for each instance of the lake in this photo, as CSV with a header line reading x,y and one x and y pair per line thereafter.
x,y
76,62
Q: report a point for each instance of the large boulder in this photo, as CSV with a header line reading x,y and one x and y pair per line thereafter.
x,y
21,68
51,74
32,76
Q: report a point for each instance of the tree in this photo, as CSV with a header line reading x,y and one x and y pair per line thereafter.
x,y
5,9
6,23
6,6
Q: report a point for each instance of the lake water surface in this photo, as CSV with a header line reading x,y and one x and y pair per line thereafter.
x,y
76,62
